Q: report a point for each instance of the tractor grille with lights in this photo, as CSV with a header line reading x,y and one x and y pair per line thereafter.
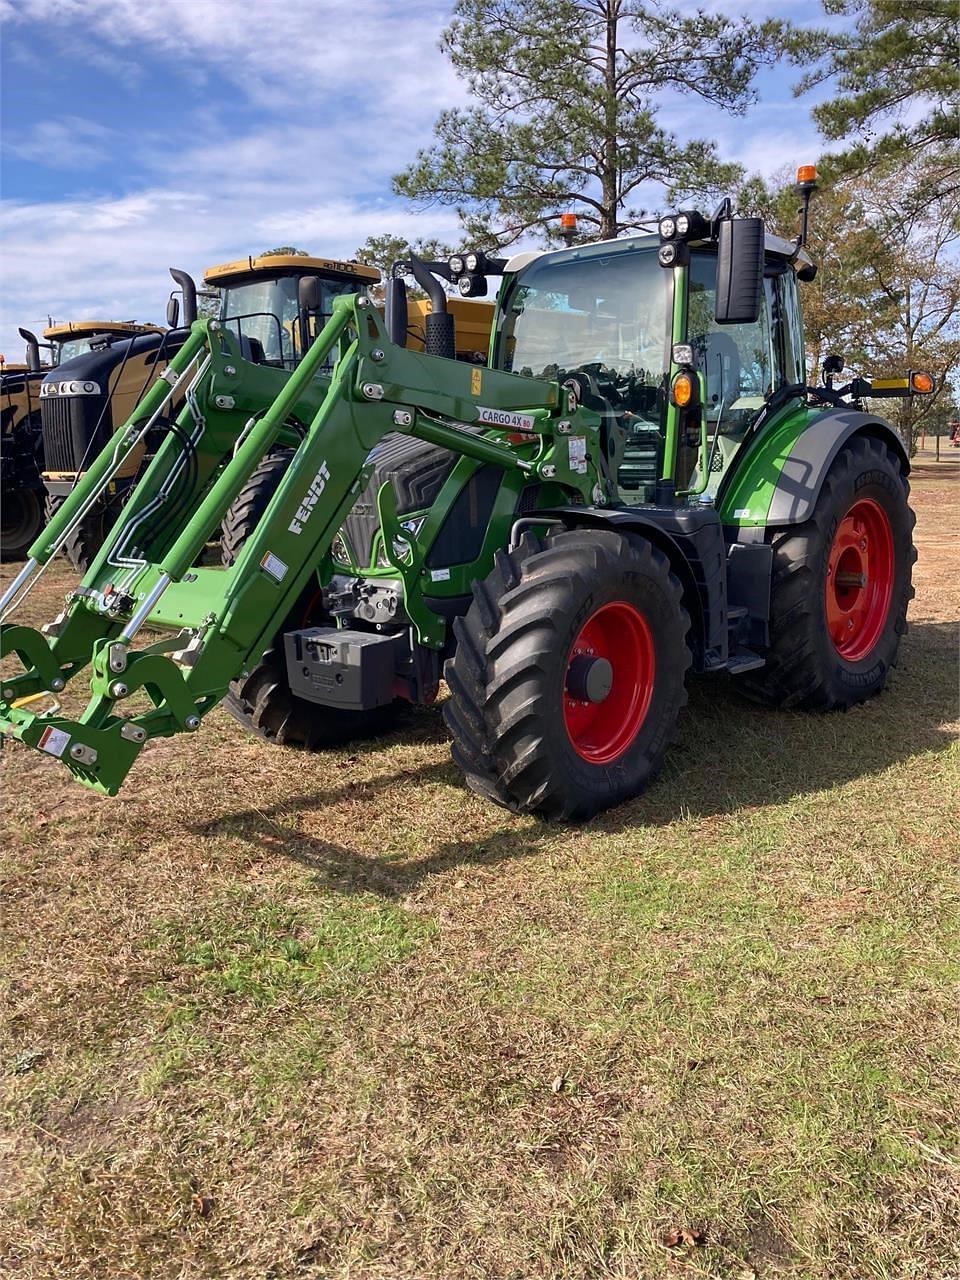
x,y
75,429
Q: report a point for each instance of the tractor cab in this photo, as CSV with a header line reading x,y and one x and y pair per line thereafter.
x,y
76,338
277,304
632,327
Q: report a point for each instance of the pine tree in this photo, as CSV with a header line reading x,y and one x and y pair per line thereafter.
x,y
566,96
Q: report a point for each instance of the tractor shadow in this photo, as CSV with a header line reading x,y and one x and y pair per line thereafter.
x,y
731,755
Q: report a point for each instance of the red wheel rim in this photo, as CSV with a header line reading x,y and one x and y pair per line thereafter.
x,y
601,731
860,576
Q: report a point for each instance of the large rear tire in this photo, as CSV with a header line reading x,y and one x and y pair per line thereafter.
x,y
841,587
22,512
568,676
263,701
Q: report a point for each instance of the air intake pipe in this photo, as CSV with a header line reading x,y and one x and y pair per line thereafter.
x,y
439,337
395,306
33,350
189,290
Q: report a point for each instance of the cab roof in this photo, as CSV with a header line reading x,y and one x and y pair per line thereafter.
x,y
80,328
594,248
282,264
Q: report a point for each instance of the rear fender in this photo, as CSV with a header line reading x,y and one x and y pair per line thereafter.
x,y
780,479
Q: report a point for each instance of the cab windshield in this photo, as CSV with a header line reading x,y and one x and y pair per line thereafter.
x,y
599,319
64,351
266,313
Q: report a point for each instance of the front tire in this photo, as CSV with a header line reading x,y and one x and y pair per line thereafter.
x,y
568,676
841,587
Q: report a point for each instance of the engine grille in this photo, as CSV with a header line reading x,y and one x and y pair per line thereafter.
x,y
69,425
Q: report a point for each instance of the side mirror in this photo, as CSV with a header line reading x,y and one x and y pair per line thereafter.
x,y
308,293
33,350
189,290
173,312
740,245
833,364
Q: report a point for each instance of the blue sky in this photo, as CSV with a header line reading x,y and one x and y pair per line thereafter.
x,y
139,135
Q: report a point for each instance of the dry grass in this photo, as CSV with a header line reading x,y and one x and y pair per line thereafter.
x,y
277,1017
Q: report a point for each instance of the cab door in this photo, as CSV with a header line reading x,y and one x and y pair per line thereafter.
x,y
741,366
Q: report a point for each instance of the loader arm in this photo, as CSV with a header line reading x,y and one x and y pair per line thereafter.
x,y
233,413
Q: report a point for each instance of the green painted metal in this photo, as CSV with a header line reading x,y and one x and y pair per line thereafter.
x,y
234,413
681,289
745,496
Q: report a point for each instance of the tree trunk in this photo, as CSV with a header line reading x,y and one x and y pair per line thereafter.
x,y
609,226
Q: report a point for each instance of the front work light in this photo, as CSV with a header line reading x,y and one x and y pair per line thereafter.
x,y
683,353
668,228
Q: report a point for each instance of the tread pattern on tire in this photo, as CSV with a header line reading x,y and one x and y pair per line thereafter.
x,y
251,502
499,720
30,529
82,545
794,674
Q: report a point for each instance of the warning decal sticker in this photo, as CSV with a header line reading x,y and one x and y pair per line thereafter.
x,y
53,740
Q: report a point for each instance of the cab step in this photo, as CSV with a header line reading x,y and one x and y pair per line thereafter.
x,y
743,659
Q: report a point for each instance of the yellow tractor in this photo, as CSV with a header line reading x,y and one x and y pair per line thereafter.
x,y
274,304
23,482
99,371
21,489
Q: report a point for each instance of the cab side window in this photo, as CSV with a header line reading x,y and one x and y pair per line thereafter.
x,y
741,363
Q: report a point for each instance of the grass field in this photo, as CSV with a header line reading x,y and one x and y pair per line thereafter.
x,y
274,1017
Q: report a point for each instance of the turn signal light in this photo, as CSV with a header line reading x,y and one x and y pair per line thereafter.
x,y
921,382
807,173
682,389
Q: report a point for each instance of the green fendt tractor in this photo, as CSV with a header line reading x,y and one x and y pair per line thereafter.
x,y
638,482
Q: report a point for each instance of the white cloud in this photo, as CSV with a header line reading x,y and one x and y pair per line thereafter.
x,y
69,142
346,91
303,52
109,257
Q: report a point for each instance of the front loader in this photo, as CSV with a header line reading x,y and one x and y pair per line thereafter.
x,y
639,482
